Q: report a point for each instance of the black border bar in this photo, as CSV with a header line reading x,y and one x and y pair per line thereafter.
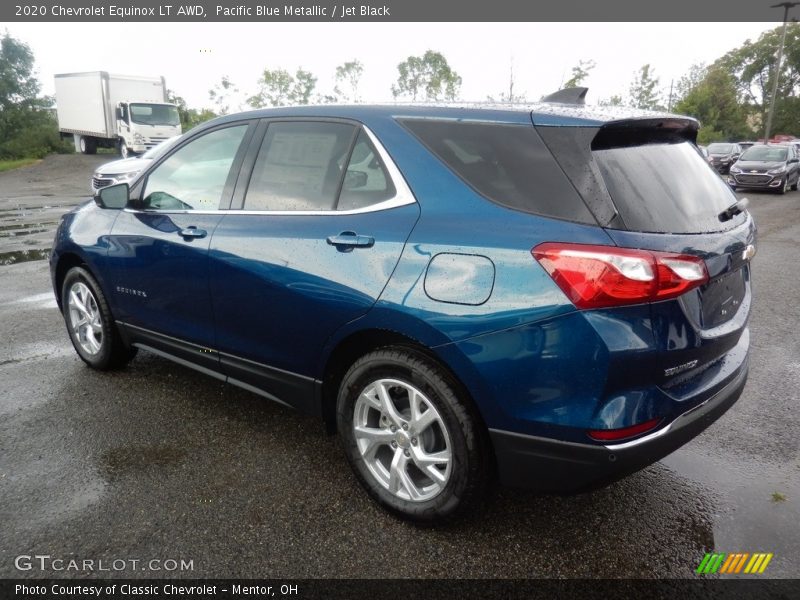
x,y
390,11
434,589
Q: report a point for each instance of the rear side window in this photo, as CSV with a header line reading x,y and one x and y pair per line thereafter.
x,y
299,166
508,164
665,188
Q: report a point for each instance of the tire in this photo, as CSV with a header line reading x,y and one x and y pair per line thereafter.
x,y
87,145
90,324
784,186
397,464
123,149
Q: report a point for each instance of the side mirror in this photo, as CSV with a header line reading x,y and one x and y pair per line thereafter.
x,y
120,116
354,180
794,160
113,197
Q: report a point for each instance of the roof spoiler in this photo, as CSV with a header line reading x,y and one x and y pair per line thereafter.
x,y
573,95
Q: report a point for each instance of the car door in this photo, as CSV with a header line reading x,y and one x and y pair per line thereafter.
x,y
322,224
158,253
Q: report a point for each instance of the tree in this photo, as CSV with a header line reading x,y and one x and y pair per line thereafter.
x,y
579,73
644,91
27,129
221,93
696,73
713,101
190,117
348,76
753,67
510,96
615,100
279,88
428,76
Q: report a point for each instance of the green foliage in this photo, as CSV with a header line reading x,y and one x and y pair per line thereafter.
x,y
190,117
713,101
644,92
27,129
9,165
615,100
220,95
579,73
348,76
428,76
753,67
279,88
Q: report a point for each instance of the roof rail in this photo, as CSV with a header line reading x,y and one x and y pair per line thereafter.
x,y
574,95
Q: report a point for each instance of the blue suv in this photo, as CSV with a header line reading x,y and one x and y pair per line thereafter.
x,y
551,295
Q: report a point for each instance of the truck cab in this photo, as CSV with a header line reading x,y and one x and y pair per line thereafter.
x,y
143,125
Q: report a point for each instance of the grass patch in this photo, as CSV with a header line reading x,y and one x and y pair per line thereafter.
x,y
778,497
7,165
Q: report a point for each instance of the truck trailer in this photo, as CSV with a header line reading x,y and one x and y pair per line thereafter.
x,y
129,113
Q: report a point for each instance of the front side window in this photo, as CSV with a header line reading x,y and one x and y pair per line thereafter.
x,y
299,167
194,177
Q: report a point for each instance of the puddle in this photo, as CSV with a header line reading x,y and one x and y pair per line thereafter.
x,y
12,258
758,504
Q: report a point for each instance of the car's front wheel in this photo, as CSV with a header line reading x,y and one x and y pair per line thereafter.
x,y
413,443
90,324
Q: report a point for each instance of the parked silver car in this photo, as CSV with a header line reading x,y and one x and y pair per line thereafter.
x,y
124,170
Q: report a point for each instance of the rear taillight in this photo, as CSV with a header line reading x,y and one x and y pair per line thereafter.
x,y
615,435
603,276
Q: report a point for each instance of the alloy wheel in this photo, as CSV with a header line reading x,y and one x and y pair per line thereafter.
x,y
402,439
84,318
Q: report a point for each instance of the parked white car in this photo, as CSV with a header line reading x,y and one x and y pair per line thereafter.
x,y
123,171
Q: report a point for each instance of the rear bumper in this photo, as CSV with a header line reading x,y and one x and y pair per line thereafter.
x,y
554,466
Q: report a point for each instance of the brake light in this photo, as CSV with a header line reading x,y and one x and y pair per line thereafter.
x,y
603,276
614,435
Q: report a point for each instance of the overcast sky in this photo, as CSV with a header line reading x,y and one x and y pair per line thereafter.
x,y
193,57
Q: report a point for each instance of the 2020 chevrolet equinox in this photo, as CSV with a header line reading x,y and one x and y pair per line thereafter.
x,y
555,295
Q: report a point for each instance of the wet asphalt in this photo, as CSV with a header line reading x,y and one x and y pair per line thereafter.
x,y
159,462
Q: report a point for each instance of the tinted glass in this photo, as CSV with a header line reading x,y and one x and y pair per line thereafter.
x,y
765,153
299,167
665,188
194,177
720,148
508,164
366,181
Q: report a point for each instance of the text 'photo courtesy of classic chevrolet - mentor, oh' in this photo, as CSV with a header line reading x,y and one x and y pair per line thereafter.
x,y
550,295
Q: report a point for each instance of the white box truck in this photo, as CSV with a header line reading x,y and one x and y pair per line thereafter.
x,y
126,112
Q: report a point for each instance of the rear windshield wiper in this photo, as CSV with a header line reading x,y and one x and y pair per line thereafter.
x,y
733,210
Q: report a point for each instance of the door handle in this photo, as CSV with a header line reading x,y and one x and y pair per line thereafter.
x,y
192,232
347,240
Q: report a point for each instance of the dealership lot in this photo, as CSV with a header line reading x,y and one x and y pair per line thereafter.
x,y
159,463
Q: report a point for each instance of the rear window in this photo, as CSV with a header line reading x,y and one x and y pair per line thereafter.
x,y
665,188
507,164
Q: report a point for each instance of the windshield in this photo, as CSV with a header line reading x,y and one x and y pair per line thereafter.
x,y
765,154
720,148
155,114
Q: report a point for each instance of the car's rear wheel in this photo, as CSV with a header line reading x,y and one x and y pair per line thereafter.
x,y
90,324
414,445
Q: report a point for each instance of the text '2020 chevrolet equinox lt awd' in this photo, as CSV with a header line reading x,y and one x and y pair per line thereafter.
x,y
554,295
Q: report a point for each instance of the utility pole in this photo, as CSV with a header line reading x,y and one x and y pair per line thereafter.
x,y
786,6
669,102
